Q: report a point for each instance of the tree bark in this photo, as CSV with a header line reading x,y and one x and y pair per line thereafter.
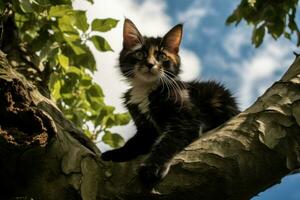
x,y
44,156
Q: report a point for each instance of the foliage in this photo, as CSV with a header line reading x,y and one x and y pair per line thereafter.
x,y
58,34
276,17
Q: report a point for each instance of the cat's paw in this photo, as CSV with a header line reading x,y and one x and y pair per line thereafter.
x,y
151,174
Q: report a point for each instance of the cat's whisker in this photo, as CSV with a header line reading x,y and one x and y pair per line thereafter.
x,y
176,83
169,83
168,88
180,82
176,87
165,79
129,73
163,83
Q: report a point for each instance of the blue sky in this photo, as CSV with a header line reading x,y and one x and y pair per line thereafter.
x,y
210,50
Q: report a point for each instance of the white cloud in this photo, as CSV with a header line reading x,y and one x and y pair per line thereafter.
x,y
191,65
262,69
151,19
258,69
255,70
192,16
235,40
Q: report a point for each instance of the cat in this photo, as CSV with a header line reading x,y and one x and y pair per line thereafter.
x,y
169,114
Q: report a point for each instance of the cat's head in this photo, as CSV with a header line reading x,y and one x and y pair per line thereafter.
x,y
148,59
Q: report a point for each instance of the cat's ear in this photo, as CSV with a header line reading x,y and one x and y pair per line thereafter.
x,y
172,39
131,35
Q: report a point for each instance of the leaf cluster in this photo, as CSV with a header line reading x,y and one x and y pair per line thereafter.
x,y
275,17
58,35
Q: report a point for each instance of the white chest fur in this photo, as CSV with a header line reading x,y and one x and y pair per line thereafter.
x,y
139,95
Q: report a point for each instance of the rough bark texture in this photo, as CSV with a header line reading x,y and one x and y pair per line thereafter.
x,y
44,156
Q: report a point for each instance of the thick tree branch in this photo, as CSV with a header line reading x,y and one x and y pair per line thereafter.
x,y
45,157
248,154
42,154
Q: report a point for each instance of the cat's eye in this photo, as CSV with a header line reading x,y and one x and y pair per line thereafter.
x,y
162,57
139,55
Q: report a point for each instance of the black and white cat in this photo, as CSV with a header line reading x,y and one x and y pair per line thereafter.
x,y
169,114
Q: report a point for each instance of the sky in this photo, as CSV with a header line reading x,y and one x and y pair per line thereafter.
x,y
209,51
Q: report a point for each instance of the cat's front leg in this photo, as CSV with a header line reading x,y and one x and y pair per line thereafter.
x,y
176,137
139,144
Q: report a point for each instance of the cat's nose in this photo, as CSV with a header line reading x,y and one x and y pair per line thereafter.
x,y
149,65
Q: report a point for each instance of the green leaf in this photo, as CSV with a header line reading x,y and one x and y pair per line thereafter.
x,y
94,100
96,104
78,117
298,36
63,61
77,48
258,36
122,119
20,20
70,34
104,25
100,116
292,24
287,35
70,99
100,43
232,18
39,42
56,90
109,121
81,20
60,11
87,133
49,50
25,6
277,29
86,59
74,70
86,80
53,79
95,91
113,139
66,90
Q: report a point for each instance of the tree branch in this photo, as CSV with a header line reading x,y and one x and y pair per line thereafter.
x,y
241,158
246,155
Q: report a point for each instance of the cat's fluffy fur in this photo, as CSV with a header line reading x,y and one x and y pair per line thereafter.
x,y
169,114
